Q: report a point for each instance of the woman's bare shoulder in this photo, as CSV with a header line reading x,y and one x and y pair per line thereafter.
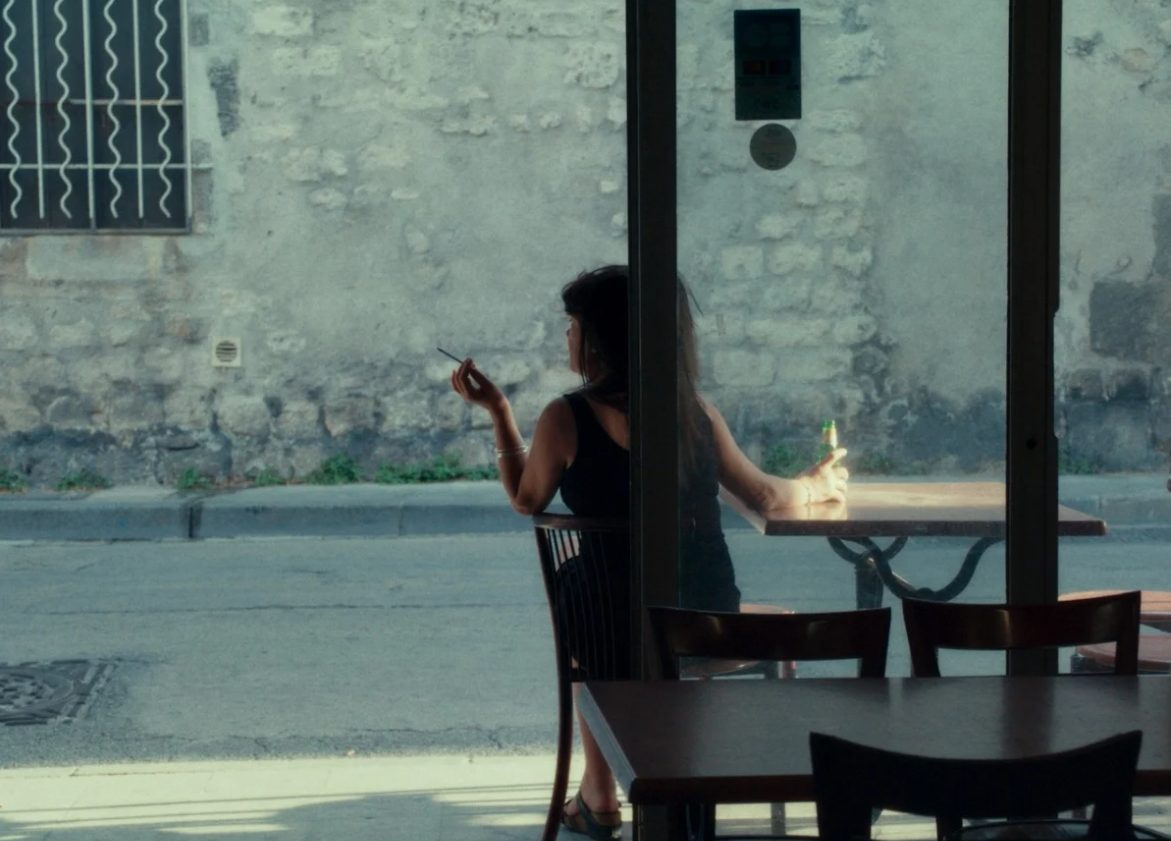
x,y
709,408
558,413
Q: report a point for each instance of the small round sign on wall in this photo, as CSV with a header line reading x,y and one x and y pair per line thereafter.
x,y
772,146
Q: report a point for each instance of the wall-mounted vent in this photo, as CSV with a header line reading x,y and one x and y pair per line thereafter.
x,y
225,352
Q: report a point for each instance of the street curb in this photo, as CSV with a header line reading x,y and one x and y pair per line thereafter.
x,y
122,514
1133,505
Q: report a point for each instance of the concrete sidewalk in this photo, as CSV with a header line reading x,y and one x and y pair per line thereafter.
x,y
381,798
372,798
1138,501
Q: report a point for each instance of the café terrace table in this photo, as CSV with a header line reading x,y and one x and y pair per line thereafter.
x,y
901,510
747,741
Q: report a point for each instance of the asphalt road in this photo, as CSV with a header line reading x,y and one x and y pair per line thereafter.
x,y
335,647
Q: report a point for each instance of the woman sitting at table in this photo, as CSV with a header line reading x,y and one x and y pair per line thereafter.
x,y
580,447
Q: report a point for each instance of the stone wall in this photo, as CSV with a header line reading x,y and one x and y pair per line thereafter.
x,y
376,177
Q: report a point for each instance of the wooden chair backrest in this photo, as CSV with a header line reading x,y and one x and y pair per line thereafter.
x,y
584,564
854,634
851,780
935,625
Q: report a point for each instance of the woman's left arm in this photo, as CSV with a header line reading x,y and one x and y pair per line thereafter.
x,y
531,478
762,492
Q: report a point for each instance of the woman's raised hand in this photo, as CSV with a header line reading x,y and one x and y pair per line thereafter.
x,y
826,480
474,387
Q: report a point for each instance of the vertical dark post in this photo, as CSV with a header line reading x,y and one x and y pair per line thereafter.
x,y
654,440
1034,171
654,427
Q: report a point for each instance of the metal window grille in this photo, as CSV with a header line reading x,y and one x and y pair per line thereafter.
x,y
93,129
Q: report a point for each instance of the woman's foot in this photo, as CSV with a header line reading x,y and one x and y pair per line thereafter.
x,y
597,824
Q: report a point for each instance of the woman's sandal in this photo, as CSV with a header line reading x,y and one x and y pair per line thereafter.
x,y
586,822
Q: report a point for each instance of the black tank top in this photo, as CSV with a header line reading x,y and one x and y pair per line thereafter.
x,y
597,483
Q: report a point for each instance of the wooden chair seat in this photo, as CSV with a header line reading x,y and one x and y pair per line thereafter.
x,y
1154,655
1154,606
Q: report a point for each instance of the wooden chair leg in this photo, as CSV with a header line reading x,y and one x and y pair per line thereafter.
x,y
564,755
777,817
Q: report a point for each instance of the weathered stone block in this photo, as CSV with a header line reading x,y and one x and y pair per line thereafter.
x,y
837,223
223,76
593,65
794,258
409,410
741,368
303,164
17,332
346,415
844,150
1116,436
548,23
320,61
1161,426
243,415
298,420
112,260
835,120
808,193
376,157
1084,384
1162,229
853,329
282,21
71,411
188,409
1130,384
742,262
1129,320
847,189
616,112
1136,60
853,57
777,225
853,261
17,414
328,198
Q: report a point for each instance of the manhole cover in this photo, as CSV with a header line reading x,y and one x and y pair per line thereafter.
x,y
60,691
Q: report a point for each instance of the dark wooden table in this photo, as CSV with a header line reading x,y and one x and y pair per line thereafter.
x,y
747,741
901,510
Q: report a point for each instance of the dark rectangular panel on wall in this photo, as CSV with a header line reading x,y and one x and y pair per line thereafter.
x,y
767,46
1034,158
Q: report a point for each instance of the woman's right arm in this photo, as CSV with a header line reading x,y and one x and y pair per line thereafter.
x,y
763,492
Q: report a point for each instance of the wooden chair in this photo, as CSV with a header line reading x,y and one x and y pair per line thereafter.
x,y
585,567
852,780
587,585
1154,650
1111,618
680,633
856,634
990,627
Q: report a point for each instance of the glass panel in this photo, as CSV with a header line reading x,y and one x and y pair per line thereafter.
x,y
1112,344
863,282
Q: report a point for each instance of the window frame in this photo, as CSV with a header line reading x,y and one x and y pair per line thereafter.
x,y
104,90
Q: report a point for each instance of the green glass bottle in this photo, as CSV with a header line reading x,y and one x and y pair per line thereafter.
x,y
829,439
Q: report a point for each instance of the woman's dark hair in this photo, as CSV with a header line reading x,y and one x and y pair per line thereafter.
x,y
597,299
